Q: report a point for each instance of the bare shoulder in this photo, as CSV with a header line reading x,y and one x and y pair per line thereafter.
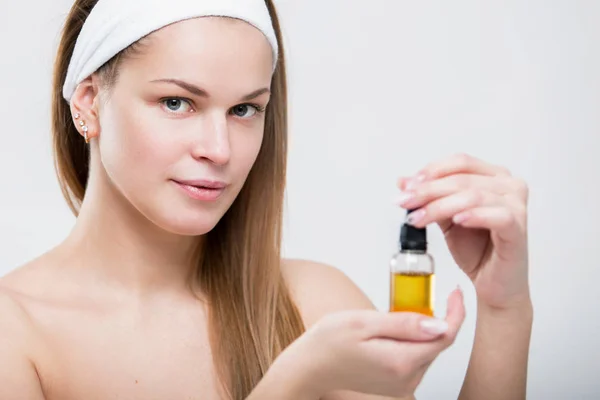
x,y
14,318
17,340
319,289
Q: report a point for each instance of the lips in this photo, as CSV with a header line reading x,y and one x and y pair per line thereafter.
x,y
203,183
203,190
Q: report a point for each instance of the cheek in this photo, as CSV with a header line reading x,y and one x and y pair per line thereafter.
x,y
246,147
134,152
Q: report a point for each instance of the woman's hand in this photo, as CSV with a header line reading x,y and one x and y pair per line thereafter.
x,y
365,351
482,211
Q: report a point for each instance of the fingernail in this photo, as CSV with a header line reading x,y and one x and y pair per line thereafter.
x,y
412,184
416,181
415,216
460,218
434,326
403,198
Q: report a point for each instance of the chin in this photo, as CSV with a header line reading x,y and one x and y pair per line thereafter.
x,y
190,225
182,220
185,218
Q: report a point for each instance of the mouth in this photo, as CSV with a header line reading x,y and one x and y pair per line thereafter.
x,y
203,190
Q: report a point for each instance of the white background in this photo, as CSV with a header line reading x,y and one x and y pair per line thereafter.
x,y
378,89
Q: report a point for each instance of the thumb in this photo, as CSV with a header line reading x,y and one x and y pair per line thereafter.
x,y
455,314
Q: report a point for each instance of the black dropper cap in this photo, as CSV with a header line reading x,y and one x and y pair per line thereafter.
x,y
412,238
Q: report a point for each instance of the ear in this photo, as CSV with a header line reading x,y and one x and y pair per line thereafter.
x,y
84,108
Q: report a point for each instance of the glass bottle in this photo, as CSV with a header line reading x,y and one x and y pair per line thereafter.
x,y
412,273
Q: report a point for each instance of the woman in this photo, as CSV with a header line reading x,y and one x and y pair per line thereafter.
x,y
170,125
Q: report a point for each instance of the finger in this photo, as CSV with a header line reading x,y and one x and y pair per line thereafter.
x,y
455,313
455,316
461,163
417,195
405,326
424,353
506,224
403,182
444,209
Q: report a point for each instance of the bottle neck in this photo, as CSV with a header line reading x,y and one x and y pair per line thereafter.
x,y
412,251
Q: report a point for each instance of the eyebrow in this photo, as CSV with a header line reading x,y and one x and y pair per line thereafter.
x,y
195,90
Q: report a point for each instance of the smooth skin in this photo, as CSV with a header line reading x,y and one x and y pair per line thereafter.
x,y
93,318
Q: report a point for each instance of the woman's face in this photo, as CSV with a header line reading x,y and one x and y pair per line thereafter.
x,y
182,127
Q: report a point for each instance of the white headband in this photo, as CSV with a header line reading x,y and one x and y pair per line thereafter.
x,y
113,25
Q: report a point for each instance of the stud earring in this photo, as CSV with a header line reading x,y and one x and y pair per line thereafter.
x,y
84,128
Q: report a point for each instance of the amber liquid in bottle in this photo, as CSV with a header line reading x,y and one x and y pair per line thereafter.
x,y
412,292
412,273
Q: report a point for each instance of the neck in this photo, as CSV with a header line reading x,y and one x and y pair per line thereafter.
x,y
121,247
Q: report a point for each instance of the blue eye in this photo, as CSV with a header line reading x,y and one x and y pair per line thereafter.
x,y
177,105
247,110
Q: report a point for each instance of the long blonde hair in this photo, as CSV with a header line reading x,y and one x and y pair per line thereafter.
x,y
252,316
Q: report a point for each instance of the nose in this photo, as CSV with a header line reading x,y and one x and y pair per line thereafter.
x,y
212,141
